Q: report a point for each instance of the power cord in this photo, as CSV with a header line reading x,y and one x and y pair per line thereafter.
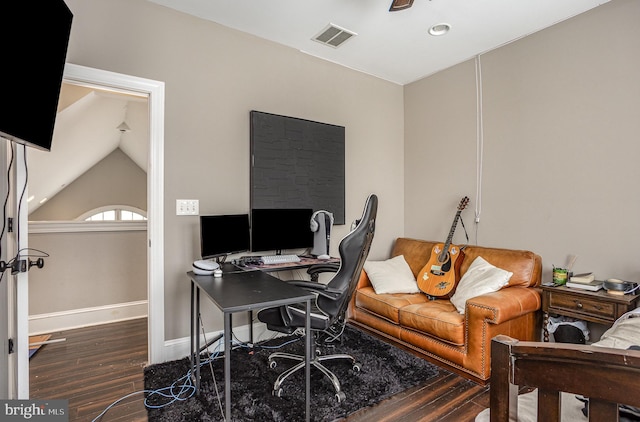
x,y
4,207
183,388
180,390
213,376
17,264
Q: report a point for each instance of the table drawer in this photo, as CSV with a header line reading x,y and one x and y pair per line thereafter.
x,y
590,306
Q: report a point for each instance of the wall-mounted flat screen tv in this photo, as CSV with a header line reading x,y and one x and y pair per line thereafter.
x,y
33,48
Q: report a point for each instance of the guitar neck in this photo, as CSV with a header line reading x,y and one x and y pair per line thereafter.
x,y
445,250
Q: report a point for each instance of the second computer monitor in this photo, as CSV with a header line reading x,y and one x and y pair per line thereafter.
x,y
275,229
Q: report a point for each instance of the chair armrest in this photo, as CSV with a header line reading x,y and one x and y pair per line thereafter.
x,y
315,270
504,305
318,288
310,285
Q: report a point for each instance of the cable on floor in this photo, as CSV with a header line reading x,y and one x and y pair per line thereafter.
x,y
183,388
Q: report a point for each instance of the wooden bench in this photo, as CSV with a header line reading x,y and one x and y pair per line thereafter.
x,y
608,377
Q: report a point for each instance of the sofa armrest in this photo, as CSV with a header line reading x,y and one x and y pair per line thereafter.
x,y
504,305
510,311
363,281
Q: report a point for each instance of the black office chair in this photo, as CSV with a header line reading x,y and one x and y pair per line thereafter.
x,y
329,308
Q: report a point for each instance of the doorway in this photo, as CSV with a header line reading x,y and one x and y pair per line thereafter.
x,y
154,91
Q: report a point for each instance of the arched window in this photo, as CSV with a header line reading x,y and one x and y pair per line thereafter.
x,y
114,213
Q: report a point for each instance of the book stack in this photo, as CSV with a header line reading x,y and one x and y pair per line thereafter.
x,y
585,281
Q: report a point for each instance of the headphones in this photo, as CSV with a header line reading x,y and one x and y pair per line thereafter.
x,y
314,224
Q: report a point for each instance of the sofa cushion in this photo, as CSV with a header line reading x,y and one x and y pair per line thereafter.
x,y
481,278
391,276
386,306
436,318
526,266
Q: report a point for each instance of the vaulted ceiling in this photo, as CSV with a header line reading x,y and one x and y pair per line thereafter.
x,y
86,131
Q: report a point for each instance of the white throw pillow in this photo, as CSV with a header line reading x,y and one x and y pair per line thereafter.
x,y
391,276
481,278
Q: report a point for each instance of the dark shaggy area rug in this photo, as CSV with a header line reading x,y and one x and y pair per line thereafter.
x,y
386,370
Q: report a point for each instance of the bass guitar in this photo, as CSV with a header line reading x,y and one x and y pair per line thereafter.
x,y
438,277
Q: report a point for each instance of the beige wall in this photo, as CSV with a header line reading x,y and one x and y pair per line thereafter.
x,y
560,119
115,180
88,270
561,145
213,77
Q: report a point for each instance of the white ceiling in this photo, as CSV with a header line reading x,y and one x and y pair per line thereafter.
x,y
86,131
394,46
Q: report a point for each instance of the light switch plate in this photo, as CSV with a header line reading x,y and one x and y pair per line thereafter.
x,y
187,207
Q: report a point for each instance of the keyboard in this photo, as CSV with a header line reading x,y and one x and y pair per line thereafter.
x,y
279,259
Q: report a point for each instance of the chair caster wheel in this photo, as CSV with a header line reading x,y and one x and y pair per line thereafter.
x,y
357,367
277,392
341,396
272,364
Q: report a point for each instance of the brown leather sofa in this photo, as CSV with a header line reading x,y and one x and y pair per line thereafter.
x,y
461,343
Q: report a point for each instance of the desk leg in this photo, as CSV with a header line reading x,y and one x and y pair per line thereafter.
x,y
307,360
192,340
197,338
251,328
227,365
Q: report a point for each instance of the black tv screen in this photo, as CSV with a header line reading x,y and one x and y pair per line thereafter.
x,y
223,235
33,47
279,229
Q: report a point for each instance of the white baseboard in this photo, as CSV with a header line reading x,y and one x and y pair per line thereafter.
x,y
78,318
180,348
173,349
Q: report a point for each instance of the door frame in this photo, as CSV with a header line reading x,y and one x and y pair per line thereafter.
x,y
14,287
155,188
18,300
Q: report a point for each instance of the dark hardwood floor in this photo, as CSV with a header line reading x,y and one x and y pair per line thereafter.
x,y
96,366
93,368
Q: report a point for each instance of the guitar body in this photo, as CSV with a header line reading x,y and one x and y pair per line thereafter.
x,y
440,278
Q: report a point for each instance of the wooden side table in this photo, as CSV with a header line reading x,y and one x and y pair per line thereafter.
x,y
599,307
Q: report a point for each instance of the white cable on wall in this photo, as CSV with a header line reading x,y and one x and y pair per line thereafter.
x,y
479,140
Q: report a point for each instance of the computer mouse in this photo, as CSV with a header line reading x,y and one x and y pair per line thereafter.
x,y
217,273
324,257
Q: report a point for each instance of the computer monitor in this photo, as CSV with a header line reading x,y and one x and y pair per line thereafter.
x,y
274,229
222,235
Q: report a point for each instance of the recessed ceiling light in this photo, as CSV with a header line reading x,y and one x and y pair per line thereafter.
x,y
439,29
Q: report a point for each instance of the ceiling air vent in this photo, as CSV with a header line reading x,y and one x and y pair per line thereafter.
x,y
333,36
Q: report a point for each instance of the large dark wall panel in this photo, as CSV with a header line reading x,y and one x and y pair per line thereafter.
x,y
297,163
